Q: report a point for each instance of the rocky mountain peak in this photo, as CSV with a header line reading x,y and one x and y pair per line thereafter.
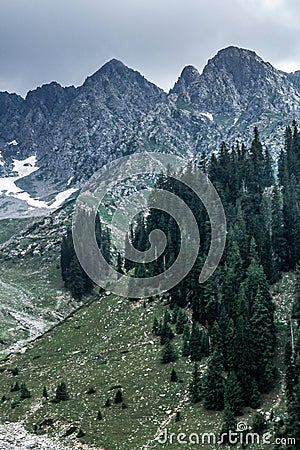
x,y
188,76
74,131
117,80
190,73
51,96
243,68
111,68
233,53
237,81
295,78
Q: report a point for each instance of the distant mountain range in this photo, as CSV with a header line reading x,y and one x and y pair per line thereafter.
x,y
55,138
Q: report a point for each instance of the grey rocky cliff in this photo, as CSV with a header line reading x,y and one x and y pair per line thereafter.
x,y
74,131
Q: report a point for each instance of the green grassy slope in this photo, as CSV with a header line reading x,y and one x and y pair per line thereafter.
x,y
32,297
109,343
11,227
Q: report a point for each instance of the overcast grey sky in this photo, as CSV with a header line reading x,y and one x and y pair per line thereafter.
x,y
67,40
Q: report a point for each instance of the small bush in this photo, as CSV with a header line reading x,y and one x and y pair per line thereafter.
x,y
118,397
81,433
15,387
91,390
178,417
61,392
107,403
70,431
25,393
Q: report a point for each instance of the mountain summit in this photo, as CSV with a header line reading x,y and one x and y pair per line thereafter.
x,y
237,80
73,131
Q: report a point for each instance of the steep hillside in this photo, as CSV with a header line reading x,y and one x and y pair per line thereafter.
x,y
32,294
109,345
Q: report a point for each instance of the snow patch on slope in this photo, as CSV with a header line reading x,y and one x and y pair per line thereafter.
x,y
61,197
208,115
24,168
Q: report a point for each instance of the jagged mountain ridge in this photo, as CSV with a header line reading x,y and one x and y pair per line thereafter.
x,y
73,131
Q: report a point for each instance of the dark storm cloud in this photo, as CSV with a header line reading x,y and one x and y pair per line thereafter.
x,y
66,40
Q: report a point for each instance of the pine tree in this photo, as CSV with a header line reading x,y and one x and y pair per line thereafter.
x,y
76,280
204,341
61,392
241,235
175,314
278,233
291,220
213,385
25,393
233,273
181,321
217,340
45,393
174,376
99,415
262,343
155,327
118,397
255,395
257,280
178,416
229,346
255,178
169,353
166,332
258,423
107,403
195,385
268,175
262,232
229,421
243,356
233,394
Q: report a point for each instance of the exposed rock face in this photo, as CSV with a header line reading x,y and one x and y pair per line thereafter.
x,y
74,131
14,436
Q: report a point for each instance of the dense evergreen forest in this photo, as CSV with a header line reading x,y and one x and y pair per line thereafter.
x,y
230,318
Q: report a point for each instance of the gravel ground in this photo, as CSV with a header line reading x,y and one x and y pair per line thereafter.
x,y
13,436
